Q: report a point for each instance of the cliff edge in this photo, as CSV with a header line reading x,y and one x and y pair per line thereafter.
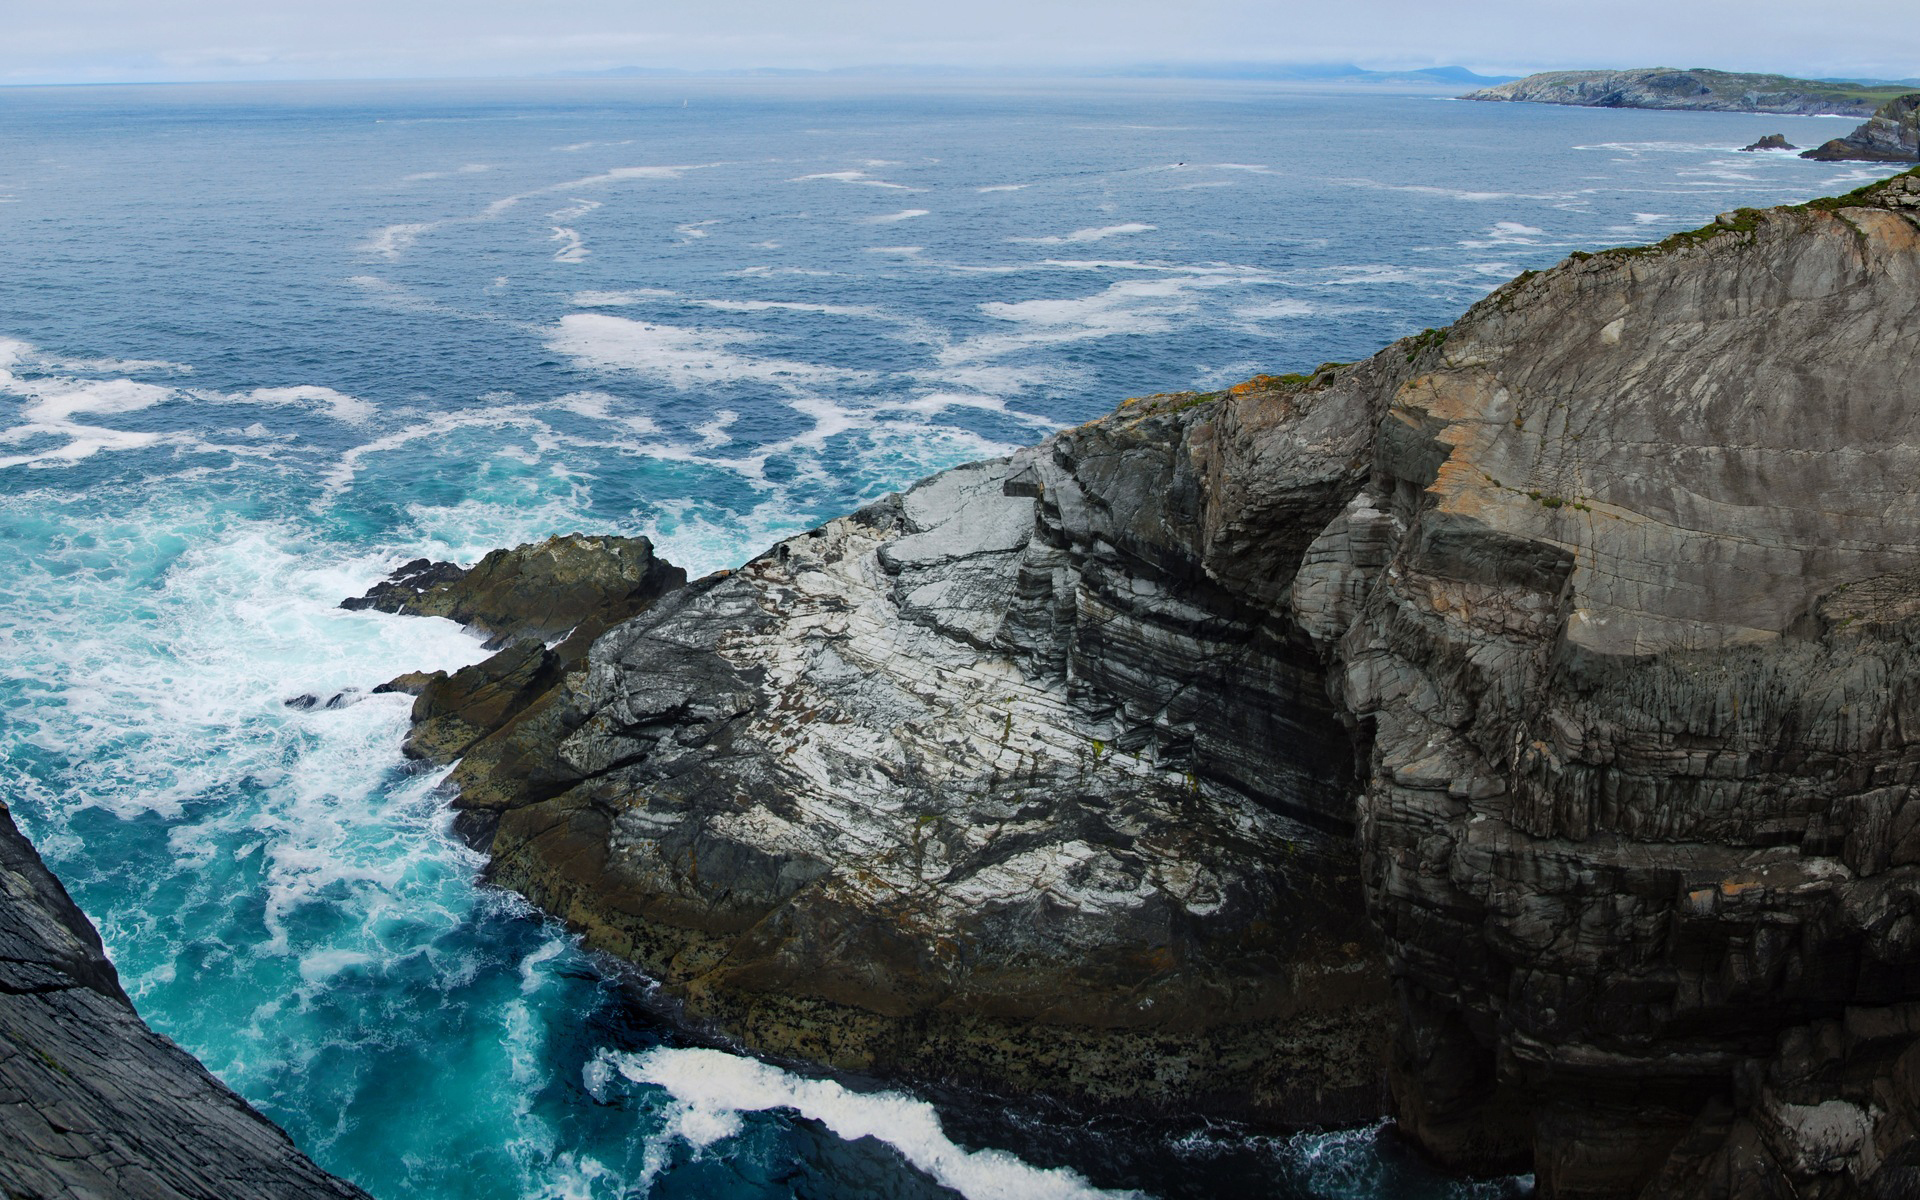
x,y
92,1102
1538,695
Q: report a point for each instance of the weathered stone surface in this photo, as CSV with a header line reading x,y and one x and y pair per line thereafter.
x,y
1773,141
92,1102
544,590
945,787
1699,88
1610,592
1890,135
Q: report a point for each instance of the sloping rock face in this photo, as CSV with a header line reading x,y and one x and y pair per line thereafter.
x,y
92,1102
1594,618
1700,89
946,787
1890,135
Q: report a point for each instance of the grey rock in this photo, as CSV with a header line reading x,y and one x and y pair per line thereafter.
x,y
95,1105
1891,135
1589,623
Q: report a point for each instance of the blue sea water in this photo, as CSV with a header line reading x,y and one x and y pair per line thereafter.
x,y
260,344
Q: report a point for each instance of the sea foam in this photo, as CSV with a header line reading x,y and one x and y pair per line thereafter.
x,y
712,1088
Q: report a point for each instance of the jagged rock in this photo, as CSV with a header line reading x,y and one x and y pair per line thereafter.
x,y
1698,89
1890,135
1772,141
571,584
409,683
92,1102
1609,590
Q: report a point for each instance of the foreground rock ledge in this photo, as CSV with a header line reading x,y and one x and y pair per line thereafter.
x,y
1593,618
92,1102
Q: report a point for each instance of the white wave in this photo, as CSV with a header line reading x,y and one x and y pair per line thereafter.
x,y
685,358
856,177
574,211
391,241
1466,194
618,299
394,240
341,407
14,352
467,169
1277,310
1004,187
598,406
578,146
1088,235
829,310
712,1089
573,248
53,404
905,214
695,229
902,251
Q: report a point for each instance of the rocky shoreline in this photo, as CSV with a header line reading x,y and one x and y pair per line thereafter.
x,y
1699,90
1531,693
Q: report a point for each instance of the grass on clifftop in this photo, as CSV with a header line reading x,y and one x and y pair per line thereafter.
x,y
1744,220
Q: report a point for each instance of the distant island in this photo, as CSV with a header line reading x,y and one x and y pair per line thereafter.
x,y
1701,89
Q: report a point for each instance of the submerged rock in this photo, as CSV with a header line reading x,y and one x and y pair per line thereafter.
x,y
1891,135
1574,644
1772,141
92,1102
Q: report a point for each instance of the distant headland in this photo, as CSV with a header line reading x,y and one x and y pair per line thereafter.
x,y
1700,89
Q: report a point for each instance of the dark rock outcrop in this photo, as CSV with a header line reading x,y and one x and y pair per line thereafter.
x,y
1698,89
1890,135
1592,621
573,584
92,1102
1773,141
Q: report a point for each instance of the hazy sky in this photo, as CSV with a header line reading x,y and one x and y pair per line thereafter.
x,y
58,41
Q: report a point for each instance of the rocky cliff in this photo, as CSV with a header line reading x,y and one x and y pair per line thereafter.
x,y
92,1102
1574,645
1891,135
1699,88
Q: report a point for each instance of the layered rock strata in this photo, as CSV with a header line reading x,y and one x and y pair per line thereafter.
x,y
1891,135
1592,617
1697,89
92,1102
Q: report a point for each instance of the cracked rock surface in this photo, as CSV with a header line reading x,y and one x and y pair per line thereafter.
x,y
93,1104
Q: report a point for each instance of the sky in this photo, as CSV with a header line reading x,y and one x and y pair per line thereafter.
x,y
82,41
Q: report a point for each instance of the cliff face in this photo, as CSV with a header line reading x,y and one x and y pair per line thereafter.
x,y
1716,91
1575,643
1890,135
92,1102
1637,681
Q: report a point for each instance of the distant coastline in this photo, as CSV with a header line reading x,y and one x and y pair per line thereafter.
x,y
1700,89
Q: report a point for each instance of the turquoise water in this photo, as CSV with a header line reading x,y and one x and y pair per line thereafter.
x,y
260,344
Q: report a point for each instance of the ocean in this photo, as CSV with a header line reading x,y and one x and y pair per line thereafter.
x,y
260,344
